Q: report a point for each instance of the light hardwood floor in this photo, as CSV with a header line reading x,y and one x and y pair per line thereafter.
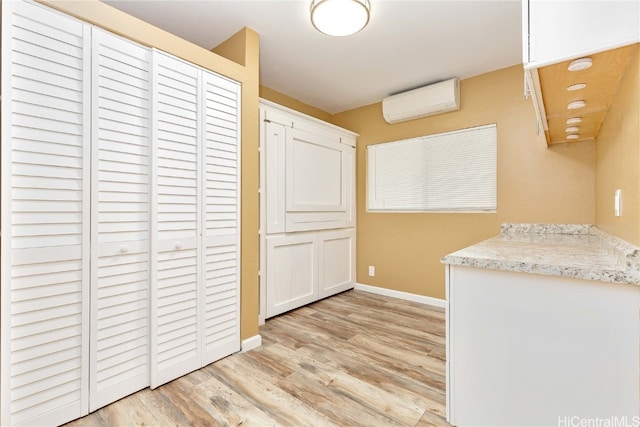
x,y
355,359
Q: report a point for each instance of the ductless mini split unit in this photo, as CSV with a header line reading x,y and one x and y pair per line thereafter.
x,y
426,101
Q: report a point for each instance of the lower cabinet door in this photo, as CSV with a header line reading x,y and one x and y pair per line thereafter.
x,y
336,261
292,263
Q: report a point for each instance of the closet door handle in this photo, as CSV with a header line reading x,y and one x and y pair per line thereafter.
x,y
178,245
124,249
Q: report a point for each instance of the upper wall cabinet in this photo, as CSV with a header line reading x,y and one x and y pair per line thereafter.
x,y
554,31
572,99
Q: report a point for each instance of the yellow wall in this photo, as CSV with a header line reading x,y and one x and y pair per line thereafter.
x,y
244,48
294,104
241,65
618,158
535,184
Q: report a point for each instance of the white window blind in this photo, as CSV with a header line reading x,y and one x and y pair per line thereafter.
x,y
451,171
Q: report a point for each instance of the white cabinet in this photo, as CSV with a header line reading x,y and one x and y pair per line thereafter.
x,y
120,217
524,349
307,209
316,188
292,273
554,31
305,267
336,261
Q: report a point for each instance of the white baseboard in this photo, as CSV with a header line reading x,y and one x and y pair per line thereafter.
x,y
251,343
436,302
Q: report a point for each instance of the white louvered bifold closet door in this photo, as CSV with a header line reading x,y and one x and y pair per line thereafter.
x,y
221,217
175,309
45,218
120,218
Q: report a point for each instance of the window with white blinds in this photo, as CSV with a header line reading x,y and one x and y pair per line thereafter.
x,y
451,171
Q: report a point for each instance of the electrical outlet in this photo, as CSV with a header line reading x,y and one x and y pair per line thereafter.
x,y
372,270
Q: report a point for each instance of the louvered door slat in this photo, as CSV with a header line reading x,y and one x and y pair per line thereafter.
x,y
221,217
45,187
120,217
175,298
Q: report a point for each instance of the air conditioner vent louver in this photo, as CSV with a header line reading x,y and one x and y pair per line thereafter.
x,y
426,101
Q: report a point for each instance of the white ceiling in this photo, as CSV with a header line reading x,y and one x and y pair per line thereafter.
x,y
407,44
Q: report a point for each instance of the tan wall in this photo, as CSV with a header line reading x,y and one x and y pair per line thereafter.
x,y
618,158
244,48
241,65
535,184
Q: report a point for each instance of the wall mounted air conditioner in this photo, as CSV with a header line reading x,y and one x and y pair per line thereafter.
x,y
425,101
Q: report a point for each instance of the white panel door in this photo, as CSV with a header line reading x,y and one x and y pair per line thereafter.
x,y
45,216
120,217
292,277
336,262
316,188
175,322
221,217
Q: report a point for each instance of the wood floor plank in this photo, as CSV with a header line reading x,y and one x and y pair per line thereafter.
x,y
421,380
228,406
388,348
355,359
399,384
333,404
363,392
259,388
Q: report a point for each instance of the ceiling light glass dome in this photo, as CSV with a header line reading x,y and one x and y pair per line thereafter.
x,y
340,17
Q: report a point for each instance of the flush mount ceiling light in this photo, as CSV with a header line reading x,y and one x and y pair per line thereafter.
x,y
574,105
340,17
580,64
576,86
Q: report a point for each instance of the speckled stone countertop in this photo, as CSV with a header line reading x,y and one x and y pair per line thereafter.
x,y
566,250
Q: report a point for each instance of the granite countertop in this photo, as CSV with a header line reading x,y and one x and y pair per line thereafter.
x,y
566,250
